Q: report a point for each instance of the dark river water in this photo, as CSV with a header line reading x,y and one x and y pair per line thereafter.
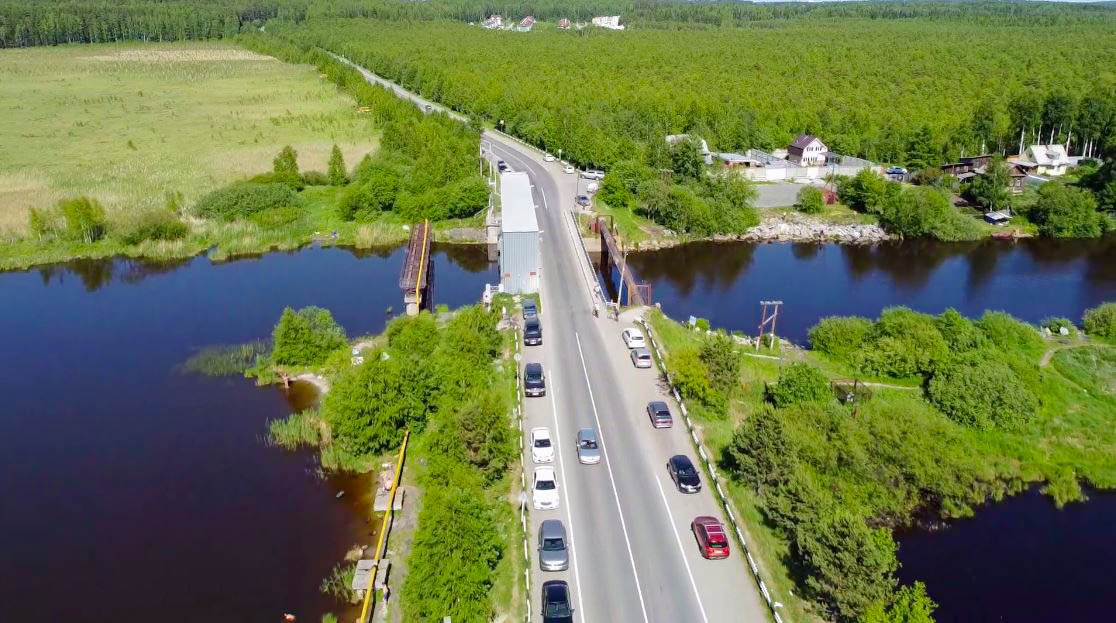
x,y
132,493
1030,279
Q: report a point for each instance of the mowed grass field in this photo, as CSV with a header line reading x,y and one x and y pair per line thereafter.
x,y
126,124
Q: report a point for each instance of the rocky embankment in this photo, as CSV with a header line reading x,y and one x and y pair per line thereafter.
x,y
795,228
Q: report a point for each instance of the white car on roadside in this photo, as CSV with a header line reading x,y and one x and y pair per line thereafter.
x,y
592,174
568,168
542,449
548,157
633,338
544,489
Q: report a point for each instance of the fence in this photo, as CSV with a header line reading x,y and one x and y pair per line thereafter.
x,y
522,480
707,459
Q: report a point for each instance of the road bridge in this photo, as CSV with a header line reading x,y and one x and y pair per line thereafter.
x,y
614,254
416,278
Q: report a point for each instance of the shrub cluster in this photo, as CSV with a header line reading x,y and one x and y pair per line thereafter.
x,y
799,383
241,200
1101,320
155,225
80,219
708,375
306,337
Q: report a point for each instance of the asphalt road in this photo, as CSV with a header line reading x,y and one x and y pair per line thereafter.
x,y
633,557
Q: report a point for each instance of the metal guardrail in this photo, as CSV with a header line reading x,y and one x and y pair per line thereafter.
x,y
369,604
706,458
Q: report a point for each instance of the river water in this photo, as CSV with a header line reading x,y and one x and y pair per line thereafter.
x,y
1030,279
133,493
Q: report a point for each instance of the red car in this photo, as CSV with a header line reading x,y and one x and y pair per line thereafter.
x,y
711,537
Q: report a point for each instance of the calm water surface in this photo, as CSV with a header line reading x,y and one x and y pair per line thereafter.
x,y
724,282
132,493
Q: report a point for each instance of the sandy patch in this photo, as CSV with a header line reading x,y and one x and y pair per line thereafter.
x,y
178,56
19,192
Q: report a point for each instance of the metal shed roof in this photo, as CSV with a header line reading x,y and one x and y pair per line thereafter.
x,y
518,205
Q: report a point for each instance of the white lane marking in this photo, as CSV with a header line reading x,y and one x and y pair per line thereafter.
x,y
681,550
612,479
569,513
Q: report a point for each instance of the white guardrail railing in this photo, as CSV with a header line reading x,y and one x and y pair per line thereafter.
x,y
707,459
522,481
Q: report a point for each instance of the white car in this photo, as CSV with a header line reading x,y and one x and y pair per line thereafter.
x,y
544,489
542,450
633,338
592,174
568,168
548,157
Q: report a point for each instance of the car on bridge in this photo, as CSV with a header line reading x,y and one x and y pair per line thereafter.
x,y
659,413
553,553
544,489
534,384
556,607
641,357
684,474
711,537
633,338
588,448
542,450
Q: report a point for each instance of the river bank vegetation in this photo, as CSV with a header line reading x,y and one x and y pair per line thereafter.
x,y
450,381
956,412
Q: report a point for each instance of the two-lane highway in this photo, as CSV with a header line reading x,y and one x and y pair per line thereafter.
x,y
635,556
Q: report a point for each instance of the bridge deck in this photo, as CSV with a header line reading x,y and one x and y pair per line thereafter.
x,y
415,273
615,254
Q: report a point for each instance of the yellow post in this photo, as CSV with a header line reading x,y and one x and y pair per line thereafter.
x,y
369,597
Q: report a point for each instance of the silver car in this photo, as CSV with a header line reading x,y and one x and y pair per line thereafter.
x,y
553,553
588,448
641,357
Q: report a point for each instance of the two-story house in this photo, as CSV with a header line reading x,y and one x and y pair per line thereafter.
x,y
807,151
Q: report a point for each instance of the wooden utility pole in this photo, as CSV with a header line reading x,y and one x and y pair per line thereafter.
x,y
766,319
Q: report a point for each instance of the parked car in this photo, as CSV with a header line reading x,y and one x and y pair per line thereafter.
x,y
544,489
592,187
556,606
533,382
684,474
530,309
641,357
592,174
553,553
548,157
583,200
501,166
659,413
568,169
532,332
896,171
542,450
633,338
588,449
711,537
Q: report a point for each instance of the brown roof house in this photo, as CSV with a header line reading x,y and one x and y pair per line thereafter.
x,y
526,24
807,151
564,23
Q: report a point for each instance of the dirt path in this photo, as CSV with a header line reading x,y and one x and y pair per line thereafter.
x,y
1050,352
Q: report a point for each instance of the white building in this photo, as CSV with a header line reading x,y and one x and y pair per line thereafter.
x,y
519,235
1049,160
807,151
612,22
494,22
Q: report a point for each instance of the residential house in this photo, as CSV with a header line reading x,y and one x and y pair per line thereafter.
x,y
807,151
964,168
706,155
564,23
526,24
1049,160
494,22
970,168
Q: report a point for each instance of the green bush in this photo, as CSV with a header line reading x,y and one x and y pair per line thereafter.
x,y
982,393
243,199
721,359
689,375
902,343
1055,324
1010,335
959,333
370,406
910,604
376,193
760,453
337,174
810,200
848,565
482,430
866,191
155,225
1067,212
413,336
799,383
84,219
276,217
839,336
306,337
286,162
315,178
1100,320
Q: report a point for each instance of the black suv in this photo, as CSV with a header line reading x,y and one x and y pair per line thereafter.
x,y
683,473
532,332
533,382
556,606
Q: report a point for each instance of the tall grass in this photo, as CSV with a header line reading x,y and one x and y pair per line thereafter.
x,y
226,360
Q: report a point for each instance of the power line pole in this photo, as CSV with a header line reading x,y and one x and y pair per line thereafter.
x,y
766,319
